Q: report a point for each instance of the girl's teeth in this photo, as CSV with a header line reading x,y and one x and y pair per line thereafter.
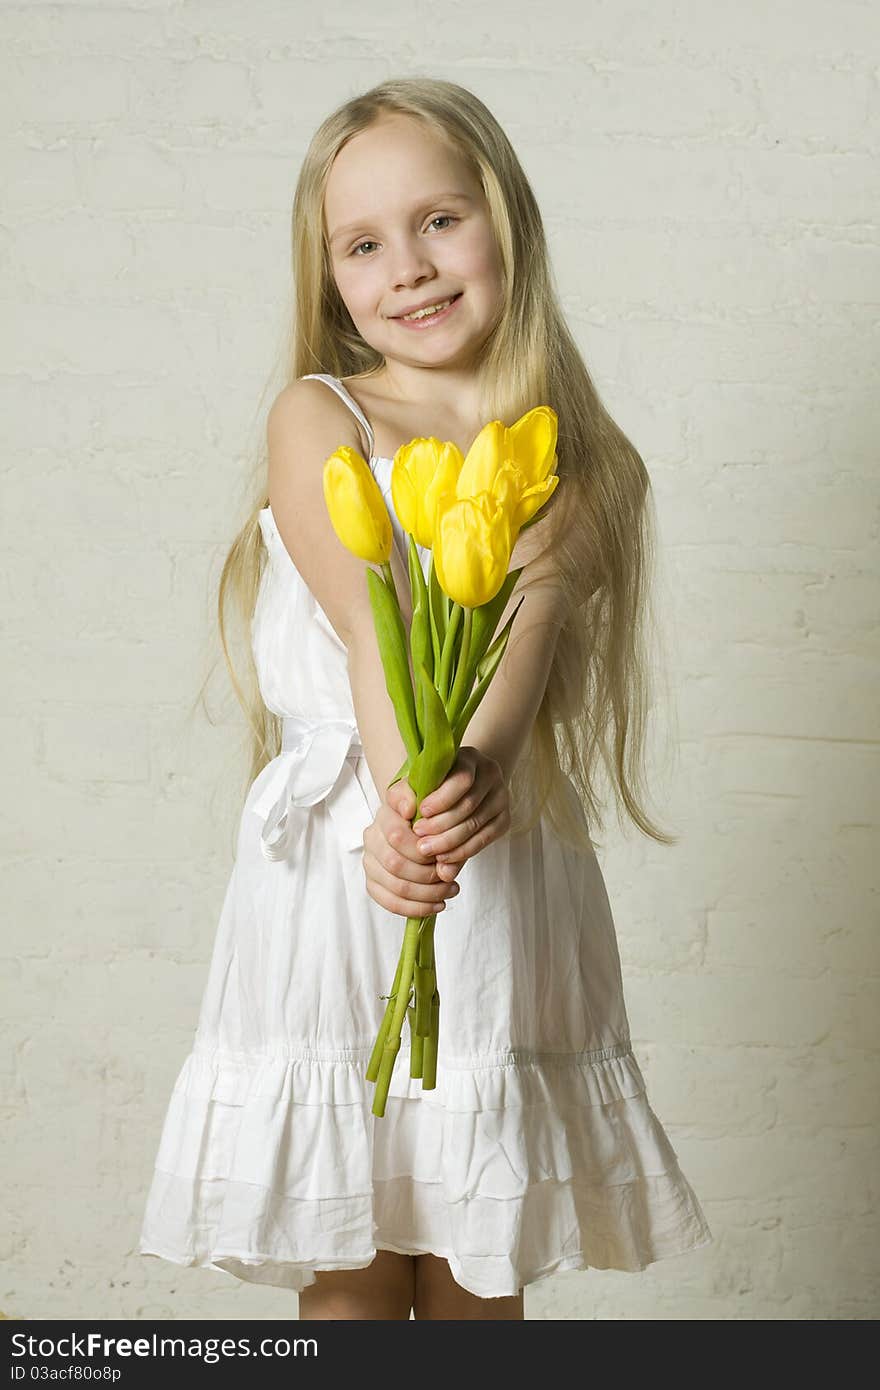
x,y
432,309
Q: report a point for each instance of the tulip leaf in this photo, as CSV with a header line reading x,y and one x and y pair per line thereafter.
x,y
420,639
431,765
403,772
391,636
486,669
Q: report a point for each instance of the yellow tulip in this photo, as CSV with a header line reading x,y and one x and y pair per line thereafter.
x,y
423,472
514,467
485,456
356,506
531,499
472,547
508,485
515,463
531,441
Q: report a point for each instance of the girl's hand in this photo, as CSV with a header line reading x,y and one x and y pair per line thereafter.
x,y
468,811
399,877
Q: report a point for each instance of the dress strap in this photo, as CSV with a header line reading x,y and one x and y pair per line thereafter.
x,y
335,383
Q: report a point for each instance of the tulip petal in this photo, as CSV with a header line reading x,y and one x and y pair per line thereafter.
x,y
472,548
532,439
356,506
442,486
413,471
532,500
482,460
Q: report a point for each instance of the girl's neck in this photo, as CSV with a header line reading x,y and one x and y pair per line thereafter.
x,y
396,418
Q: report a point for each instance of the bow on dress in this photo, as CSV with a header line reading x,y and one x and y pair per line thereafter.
x,y
313,762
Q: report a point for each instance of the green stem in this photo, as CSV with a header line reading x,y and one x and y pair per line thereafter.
x,y
415,1045
448,650
463,679
432,620
392,1040
376,1055
425,977
388,576
431,1046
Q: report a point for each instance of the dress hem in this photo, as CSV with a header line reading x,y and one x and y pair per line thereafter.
x,y
296,1277
485,1274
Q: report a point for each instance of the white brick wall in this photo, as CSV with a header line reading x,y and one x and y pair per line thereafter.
x,y
708,176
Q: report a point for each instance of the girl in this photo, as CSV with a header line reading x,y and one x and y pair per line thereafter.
x,y
538,1150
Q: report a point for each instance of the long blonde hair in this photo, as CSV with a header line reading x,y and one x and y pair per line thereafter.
x,y
596,702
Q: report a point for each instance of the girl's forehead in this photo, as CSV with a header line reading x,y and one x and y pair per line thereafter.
x,y
394,154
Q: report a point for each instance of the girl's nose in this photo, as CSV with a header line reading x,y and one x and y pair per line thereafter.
x,y
411,267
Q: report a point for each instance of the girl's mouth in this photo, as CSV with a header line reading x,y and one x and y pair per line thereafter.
x,y
428,319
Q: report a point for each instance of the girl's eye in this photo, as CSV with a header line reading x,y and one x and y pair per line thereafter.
x,y
441,217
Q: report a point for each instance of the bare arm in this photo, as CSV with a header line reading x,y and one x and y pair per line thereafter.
x,y
384,748
502,725
306,423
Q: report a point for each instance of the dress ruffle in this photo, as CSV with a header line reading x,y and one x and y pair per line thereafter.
x,y
271,1168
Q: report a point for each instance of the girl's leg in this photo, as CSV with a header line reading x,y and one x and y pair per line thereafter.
x,y
437,1296
382,1291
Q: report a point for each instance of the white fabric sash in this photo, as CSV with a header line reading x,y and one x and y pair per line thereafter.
x,y
316,763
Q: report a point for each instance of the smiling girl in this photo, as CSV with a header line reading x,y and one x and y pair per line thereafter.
x,y
424,306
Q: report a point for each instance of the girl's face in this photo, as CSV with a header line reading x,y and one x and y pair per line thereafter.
x,y
408,224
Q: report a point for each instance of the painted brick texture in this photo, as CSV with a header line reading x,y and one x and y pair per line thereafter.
x,y
708,177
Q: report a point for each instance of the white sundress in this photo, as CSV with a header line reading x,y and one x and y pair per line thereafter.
x,y
537,1151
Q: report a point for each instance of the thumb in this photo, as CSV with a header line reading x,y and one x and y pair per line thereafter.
x,y
405,800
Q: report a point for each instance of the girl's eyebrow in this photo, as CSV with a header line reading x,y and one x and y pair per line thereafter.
x,y
351,228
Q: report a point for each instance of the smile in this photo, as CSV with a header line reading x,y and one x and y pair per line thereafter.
x,y
428,317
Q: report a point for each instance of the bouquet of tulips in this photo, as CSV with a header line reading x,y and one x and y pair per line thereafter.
x,y
468,511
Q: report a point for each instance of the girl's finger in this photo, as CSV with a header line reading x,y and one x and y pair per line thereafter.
x,y
492,830
467,805
401,869
410,906
425,892
463,825
449,791
396,831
